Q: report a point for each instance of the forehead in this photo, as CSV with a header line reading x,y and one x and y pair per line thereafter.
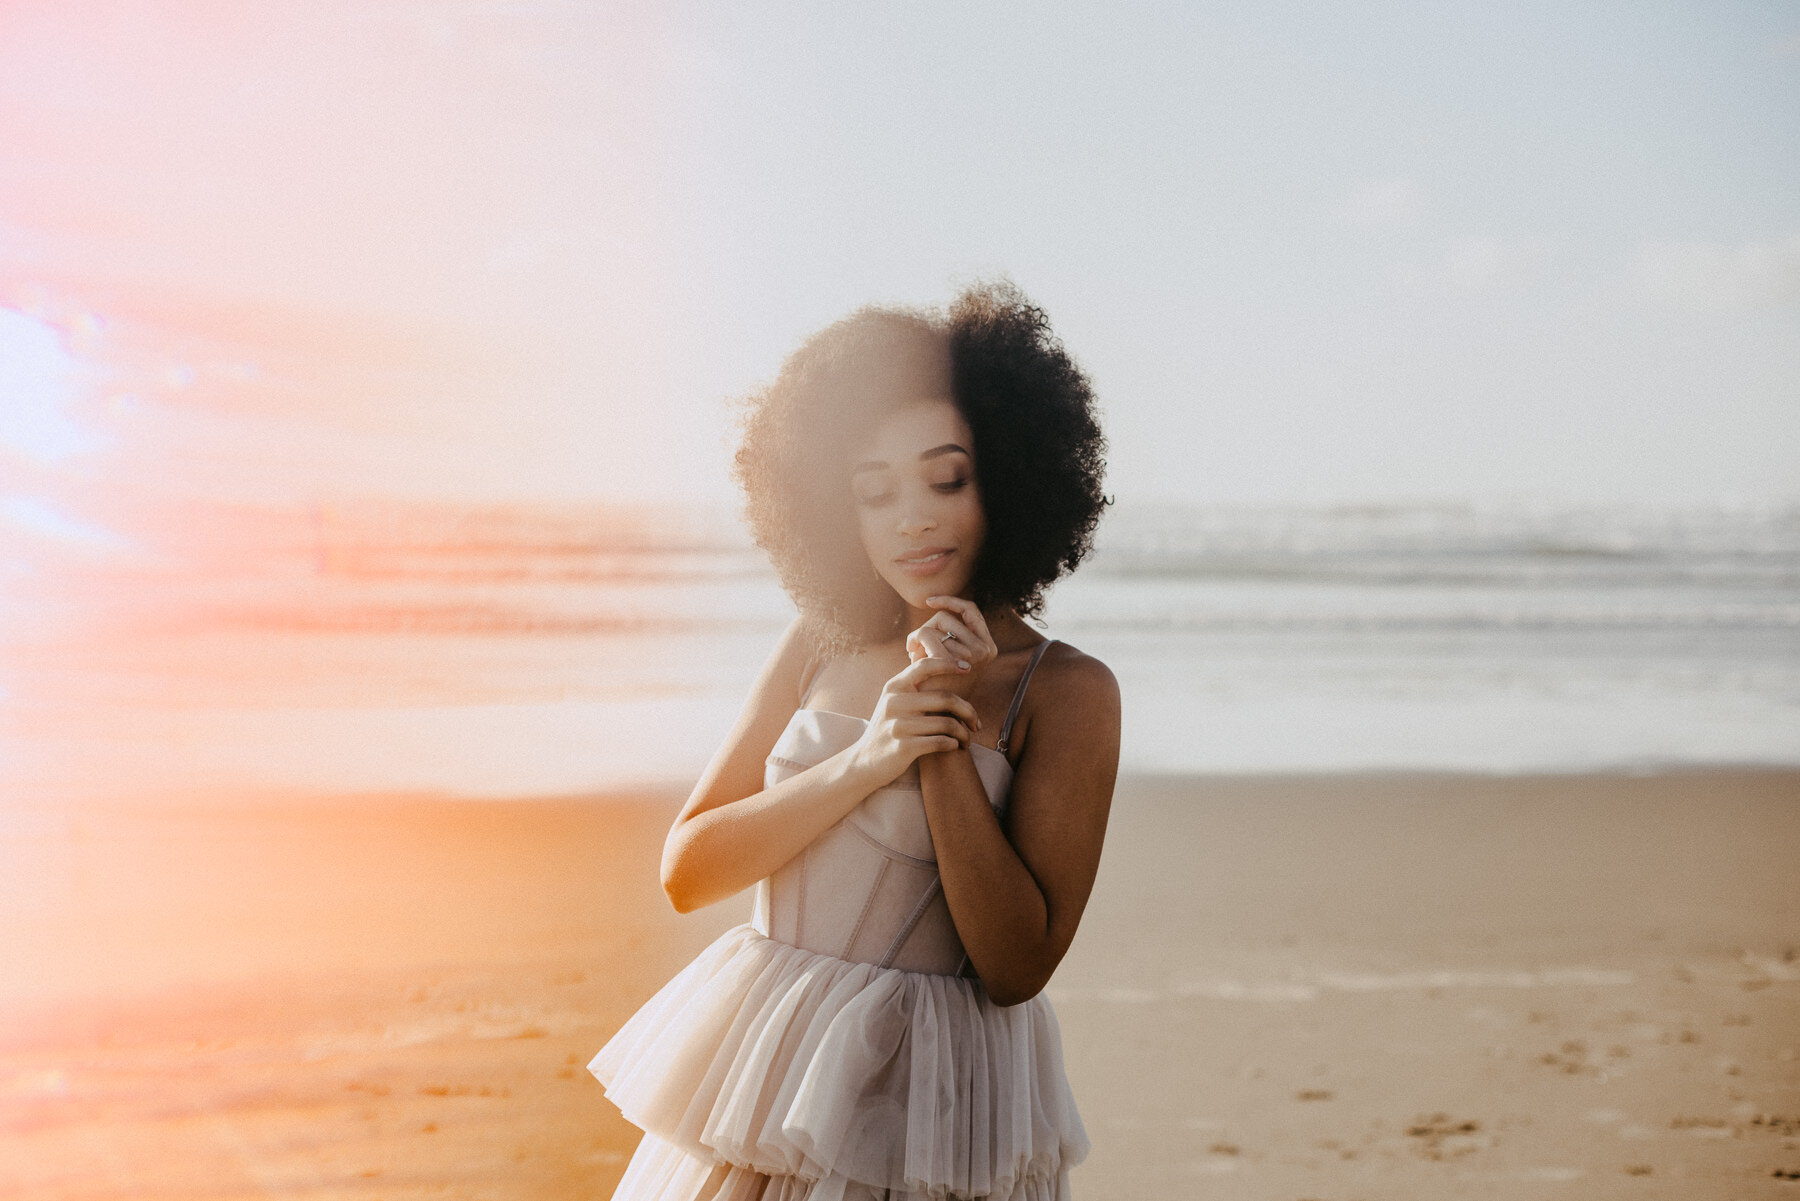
x,y
903,433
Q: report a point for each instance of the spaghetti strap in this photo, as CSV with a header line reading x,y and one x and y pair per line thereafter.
x,y
1012,713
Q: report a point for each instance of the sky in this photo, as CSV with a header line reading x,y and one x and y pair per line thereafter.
x,y
283,253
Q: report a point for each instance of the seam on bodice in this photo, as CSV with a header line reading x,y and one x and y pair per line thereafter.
x,y
868,904
912,922
889,851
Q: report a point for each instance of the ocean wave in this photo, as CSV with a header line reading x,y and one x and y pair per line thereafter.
x,y
1158,539
1621,546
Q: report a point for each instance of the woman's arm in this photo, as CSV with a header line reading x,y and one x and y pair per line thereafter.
x,y
733,832
1016,894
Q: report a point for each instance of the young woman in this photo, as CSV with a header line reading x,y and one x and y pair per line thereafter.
x,y
878,1029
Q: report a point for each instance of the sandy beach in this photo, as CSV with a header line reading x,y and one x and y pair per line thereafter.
x,y
1329,987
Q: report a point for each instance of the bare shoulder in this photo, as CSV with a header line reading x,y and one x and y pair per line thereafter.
x,y
736,768
1071,710
1068,764
1077,680
777,691
793,640
794,660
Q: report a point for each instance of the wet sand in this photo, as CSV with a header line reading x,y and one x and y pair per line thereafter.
x,y
1379,987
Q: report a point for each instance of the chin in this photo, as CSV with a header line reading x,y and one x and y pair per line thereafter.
x,y
912,590
915,595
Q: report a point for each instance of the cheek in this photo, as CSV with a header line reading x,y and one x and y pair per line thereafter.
x,y
867,531
972,518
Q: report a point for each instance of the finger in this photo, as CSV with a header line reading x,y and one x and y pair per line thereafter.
x,y
939,702
922,727
935,639
911,677
977,621
926,701
966,609
966,639
926,642
951,604
970,614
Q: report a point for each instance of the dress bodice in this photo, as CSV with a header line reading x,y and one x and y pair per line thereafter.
x,y
867,889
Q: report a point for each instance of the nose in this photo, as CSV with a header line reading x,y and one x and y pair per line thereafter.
x,y
915,521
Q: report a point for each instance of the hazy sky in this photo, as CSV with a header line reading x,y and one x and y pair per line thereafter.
x,y
509,250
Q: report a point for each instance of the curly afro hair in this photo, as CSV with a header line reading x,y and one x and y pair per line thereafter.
x,y
1039,454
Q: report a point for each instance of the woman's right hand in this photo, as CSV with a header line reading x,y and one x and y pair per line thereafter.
x,y
912,720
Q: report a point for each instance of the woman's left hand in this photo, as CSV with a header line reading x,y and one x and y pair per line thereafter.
x,y
956,631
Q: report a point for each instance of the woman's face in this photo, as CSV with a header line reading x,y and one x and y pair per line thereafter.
x,y
917,504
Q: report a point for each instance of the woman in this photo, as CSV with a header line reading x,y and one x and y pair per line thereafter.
x,y
877,1030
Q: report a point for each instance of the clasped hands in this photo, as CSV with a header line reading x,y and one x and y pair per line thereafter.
x,y
925,708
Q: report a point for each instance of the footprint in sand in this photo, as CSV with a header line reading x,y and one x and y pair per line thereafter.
x,y
1441,1136
1572,1058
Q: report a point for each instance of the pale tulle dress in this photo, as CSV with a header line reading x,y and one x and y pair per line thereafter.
x,y
838,1047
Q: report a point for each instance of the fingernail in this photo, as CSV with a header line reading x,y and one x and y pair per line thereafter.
x,y
963,663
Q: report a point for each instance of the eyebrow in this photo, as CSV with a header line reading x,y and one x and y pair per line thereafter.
x,y
934,452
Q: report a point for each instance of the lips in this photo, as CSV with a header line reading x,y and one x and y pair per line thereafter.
x,y
926,560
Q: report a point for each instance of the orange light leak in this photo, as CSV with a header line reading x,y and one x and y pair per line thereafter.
x,y
270,275
330,334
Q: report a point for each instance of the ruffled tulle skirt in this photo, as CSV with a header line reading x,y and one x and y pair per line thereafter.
x,y
770,1072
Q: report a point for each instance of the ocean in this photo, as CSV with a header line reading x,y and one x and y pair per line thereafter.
x,y
525,651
